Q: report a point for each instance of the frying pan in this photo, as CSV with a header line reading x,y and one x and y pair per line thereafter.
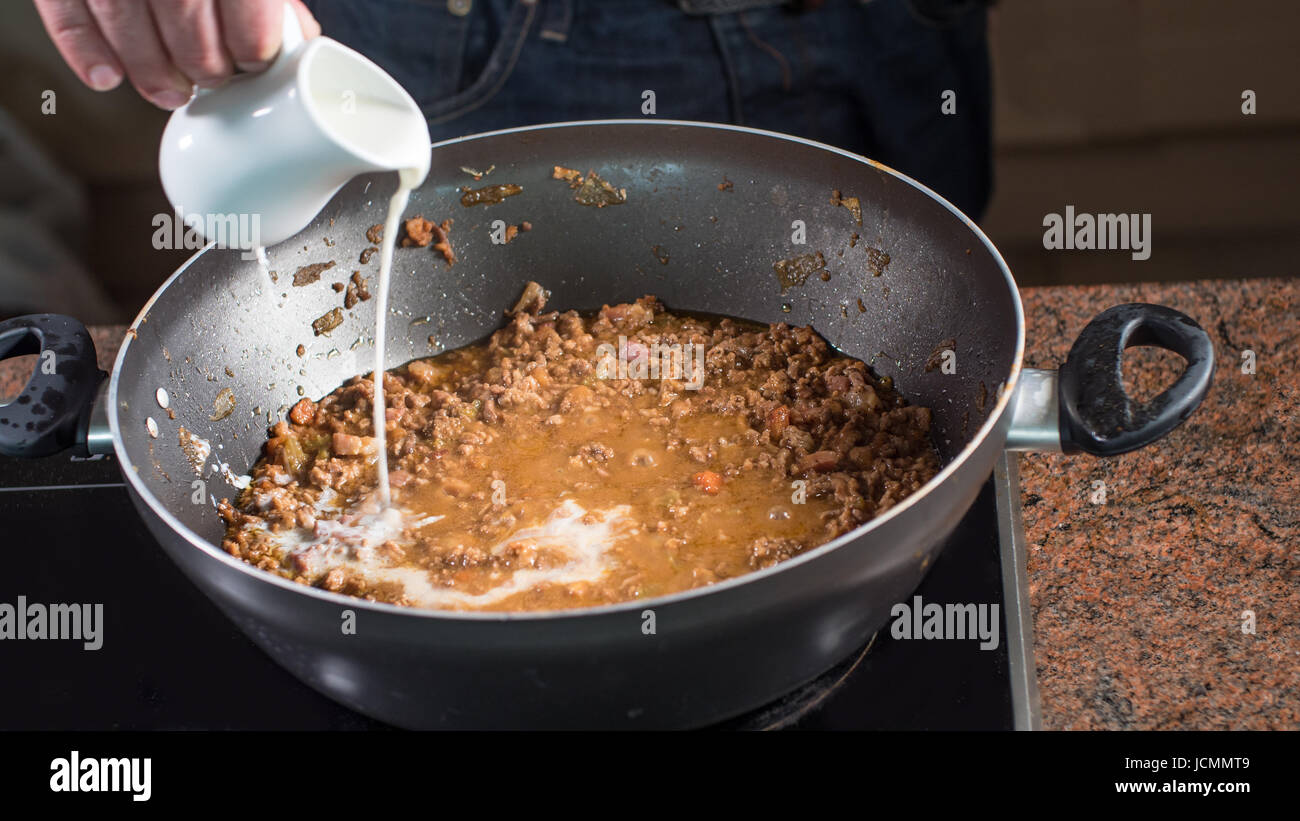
x,y
709,210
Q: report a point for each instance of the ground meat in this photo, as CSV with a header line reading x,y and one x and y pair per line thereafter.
x,y
937,356
345,444
877,261
591,190
851,203
358,289
443,245
327,322
765,551
768,444
570,175
303,413
596,192
308,274
823,461
531,301
419,232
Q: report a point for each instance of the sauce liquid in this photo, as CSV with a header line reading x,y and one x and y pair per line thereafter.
x,y
530,475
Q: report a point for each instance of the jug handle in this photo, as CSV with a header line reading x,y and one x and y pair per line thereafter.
x,y
291,39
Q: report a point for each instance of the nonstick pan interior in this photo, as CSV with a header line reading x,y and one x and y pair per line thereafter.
x,y
708,211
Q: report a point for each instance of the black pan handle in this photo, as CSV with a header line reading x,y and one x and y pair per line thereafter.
x,y
1097,414
53,411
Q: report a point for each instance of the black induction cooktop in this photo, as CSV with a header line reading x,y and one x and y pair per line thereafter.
x,y
170,660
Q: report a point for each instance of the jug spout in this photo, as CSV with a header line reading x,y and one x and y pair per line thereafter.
x,y
363,110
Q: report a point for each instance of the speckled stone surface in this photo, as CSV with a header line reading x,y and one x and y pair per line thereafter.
x,y
14,374
1138,599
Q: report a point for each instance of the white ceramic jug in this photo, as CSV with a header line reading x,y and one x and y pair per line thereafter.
x,y
251,163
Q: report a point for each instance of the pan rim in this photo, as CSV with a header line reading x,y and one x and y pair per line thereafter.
x,y
978,441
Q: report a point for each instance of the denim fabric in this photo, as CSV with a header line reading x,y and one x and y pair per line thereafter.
x,y
865,75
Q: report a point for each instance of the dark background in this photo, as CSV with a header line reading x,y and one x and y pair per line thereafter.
x,y
1107,105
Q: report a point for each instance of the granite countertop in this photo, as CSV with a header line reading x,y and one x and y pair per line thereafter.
x,y
1138,601
1138,595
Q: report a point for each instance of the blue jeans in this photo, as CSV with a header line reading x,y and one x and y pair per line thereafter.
x,y
866,75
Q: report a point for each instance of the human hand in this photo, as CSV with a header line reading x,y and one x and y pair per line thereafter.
x,y
165,47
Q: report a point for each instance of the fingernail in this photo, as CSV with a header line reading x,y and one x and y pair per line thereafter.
x,y
170,99
255,66
103,78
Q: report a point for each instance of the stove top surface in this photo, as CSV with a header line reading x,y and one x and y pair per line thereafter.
x,y
171,660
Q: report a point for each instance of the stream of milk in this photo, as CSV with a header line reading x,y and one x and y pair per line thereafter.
x,y
408,179
398,134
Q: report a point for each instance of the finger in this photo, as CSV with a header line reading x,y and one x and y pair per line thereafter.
x,y
251,30
129,28
77,38
310,28
191,33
